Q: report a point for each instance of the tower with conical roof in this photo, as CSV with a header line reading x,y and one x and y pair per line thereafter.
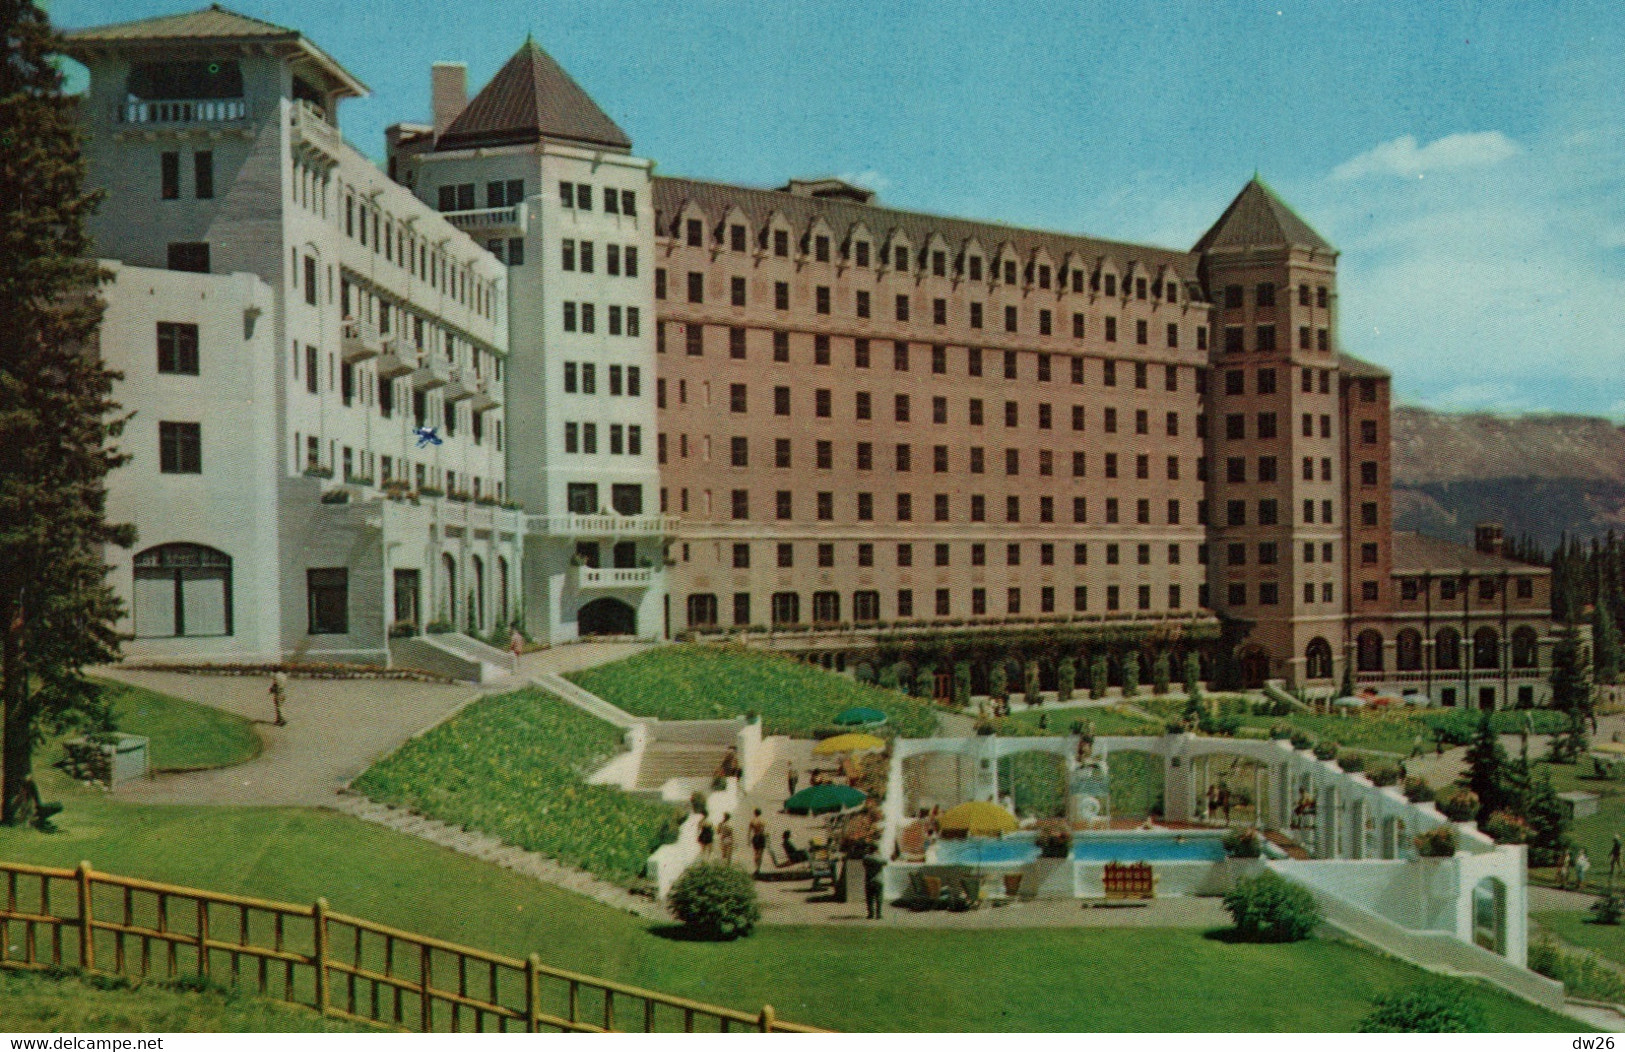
x,y
535,170
1277,548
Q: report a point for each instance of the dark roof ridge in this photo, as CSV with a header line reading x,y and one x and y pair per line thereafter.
x,y
1256,217
531,98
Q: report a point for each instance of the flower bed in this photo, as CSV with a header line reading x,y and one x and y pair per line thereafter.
x,y
515,766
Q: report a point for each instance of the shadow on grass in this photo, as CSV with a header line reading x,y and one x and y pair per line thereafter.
x,y
1230,936
683,933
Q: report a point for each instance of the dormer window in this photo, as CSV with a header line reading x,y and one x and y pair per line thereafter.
x,y
1111,284
736,237
860,253
821,248
696,233
1009,272
976,268
781,243
939,264
1043,275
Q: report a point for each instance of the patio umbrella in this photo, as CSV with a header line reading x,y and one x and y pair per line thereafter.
x,y
979,818
821,799
1349,701
861,717
848,743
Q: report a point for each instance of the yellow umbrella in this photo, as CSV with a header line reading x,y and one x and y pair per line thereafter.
x,y
979,818
848,743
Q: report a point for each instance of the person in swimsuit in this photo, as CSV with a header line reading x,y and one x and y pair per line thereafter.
x,y
758,838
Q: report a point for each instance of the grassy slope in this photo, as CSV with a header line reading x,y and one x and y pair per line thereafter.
x,y
696,682
34,1003
888,978
184,734
513,766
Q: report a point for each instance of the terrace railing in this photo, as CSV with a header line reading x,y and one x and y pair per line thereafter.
x,y
341,966
182,111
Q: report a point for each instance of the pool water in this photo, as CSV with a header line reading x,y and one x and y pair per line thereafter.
x,y
1020,850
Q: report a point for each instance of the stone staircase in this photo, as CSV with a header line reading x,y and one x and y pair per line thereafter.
x,y
691,761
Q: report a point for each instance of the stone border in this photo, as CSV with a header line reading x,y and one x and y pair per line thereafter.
x,y
293,670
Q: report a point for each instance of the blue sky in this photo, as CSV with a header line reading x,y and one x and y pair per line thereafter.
x,y
1468,159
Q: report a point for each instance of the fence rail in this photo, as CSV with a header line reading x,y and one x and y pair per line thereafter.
x,y
342,966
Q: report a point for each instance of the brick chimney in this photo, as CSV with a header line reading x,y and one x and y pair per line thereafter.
x,y
448,86
1488,538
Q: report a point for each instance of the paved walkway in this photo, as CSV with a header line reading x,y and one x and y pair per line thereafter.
x,y
335,730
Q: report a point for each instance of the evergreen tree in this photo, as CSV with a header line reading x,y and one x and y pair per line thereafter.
x,y
1099,676
1544,813
962,683
998,682
1486,769
1346,688
1161,673
57,612
1572,741
1032,693
1066,679
1518,785
1604,641
1193,673
1131,674
1571,673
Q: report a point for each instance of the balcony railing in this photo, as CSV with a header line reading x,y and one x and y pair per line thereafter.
x,y
474,221
600,525
183,111
483,398
315,129
457,387
398,359
359,342
595,577
431,372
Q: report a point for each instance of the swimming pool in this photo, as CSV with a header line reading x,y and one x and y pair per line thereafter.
x,y
1019,849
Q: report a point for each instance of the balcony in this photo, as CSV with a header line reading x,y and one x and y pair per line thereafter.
x,y
483,399
311,129
588,577
175,112
431,372
601,525
489,222
359,342
457,388
397,359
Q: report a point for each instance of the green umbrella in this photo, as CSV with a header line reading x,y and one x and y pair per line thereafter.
x,y
861,717
819,799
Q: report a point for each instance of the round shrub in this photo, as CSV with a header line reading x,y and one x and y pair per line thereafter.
x,y
1269,908
715,901
1243,843
1054,840
1607,909
1301,740
1508,828
1417,791
1351,761
1325,750
1438,842
1438,1008
1283,731
1383,774
1459,806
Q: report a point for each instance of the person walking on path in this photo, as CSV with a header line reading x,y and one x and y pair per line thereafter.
x,y
516,646
707,836
874,885
1563,869
792,777
1582,866
279,691
758,838
725,839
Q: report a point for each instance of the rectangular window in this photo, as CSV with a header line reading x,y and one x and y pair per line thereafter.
x,y
203,174
180,448
328,596
696,287
189,256
169,165
177,348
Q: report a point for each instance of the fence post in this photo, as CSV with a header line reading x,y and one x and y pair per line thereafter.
x,y
533,994
318,918
203,937
764,1022
87,945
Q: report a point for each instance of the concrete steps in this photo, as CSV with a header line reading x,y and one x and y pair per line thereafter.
x,y
663,761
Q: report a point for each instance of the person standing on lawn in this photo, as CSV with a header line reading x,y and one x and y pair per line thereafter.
x,y
758,838
1582,866
1614,860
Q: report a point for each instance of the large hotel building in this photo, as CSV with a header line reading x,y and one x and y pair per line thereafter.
x,y
668,406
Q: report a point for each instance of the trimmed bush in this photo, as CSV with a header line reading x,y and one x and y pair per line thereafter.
x,y
1054,840
1066,679
998,682
1281,731
1351,761
1439,842
1437,1008
1131,675
715,902
1325,750
1243,843
1459,806
1607,909
1582,975
1383,774
1508,828
1269,908
1301,740
962,684
1161,674
1099,676
1417,791
1032,692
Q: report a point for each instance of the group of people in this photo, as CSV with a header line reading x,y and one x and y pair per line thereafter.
x,y
720,838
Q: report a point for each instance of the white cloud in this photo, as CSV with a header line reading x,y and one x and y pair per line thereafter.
x,y
869,180
1402,157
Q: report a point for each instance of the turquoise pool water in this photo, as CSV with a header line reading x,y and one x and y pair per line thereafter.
x,y
1019,850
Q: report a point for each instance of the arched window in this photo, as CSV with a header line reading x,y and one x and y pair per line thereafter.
x,y
476,595
448,588
1408,650
1447,649
503,613
1368,651
182,590
1486,649
1318,659
1525,647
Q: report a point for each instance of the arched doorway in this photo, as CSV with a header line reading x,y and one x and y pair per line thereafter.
x,y
1368,651
1408,651
1317,659
607,617
1490,915
1255,668
1486,649
182,590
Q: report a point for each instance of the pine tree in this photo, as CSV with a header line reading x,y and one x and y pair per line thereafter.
x,y
1099,675
1032,677
1193,673
57,612
1571,673
962,683
1544,813
1066,679
1131,674
1486,769
1161,673
1346,688
1604,641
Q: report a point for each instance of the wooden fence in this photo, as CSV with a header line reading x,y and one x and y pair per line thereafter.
x,y
341,966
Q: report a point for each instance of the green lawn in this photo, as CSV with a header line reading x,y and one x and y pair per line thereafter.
x,y
184,735
1106,720
847,978
699,682
35,1003
515,766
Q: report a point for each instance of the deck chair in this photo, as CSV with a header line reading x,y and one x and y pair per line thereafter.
x,y
822,866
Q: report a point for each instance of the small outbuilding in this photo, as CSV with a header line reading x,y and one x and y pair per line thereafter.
x,y
1578,804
